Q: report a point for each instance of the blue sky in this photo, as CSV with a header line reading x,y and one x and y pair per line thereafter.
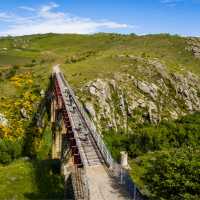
x,y
20,17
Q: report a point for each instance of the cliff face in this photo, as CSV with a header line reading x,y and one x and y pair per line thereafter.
x,y
151,94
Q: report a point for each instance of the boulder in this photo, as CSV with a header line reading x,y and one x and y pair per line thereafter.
x,y
23,113
194,46
3,120
148,88
90,109
160,68
100,88
154,116
141,103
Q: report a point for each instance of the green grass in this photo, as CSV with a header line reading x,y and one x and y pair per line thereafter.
x,y
13,60
17,180
33,179
23,180
45,147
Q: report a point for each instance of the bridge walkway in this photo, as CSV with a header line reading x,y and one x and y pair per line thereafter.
x,y
89,151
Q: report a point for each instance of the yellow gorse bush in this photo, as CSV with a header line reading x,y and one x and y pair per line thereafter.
x,y
27,100
20,80
5,131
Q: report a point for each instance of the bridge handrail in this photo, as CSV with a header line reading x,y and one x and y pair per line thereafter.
x,y
124,178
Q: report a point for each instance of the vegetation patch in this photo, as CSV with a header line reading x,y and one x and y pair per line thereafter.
x,y
163,157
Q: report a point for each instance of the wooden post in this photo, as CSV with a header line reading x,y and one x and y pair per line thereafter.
x,y
53,145
56,144
124,159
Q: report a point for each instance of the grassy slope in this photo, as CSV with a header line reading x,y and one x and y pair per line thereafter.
x,y
169,49
17,180
32,179
24,180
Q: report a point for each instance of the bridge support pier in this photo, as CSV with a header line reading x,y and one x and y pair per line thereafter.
x,y
57,145
56,133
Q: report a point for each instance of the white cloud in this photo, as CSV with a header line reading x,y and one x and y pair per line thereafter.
x,y
27,8
45,20
171,2
3,15
6,17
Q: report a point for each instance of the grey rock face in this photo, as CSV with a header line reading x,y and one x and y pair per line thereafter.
x,y
148,88
3,120
89,108
24,113
100,91
153,112
194,46
128,98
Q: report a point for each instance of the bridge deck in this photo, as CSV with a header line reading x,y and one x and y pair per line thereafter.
x,y
88,149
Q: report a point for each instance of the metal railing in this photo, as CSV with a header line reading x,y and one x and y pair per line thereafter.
x,y
124,178
80,184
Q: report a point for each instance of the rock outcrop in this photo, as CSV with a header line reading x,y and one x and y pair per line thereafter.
x,y
3,120
128,99
194,46
23,113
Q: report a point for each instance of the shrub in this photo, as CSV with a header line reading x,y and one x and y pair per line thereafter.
x,y
148,137
12,72
5,158
174,174
9,150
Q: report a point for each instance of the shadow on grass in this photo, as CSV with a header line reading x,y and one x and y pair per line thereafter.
x,y
49,182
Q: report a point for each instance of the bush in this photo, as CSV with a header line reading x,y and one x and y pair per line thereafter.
x,y
174,174
5,158
9,150
148,137
12,71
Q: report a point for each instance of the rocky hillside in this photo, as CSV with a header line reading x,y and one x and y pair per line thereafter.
x,y
151,94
